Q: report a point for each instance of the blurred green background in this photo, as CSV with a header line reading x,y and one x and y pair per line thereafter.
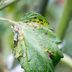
x,y
57,12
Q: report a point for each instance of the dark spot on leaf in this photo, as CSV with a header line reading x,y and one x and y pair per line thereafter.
x,y
19,57
40,19
48,23
42,23
46,33
50,54
52,30
58,42
15,43
26,21
34,21
35,17
29,60
35,27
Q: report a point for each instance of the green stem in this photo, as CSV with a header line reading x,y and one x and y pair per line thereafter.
x,y
67,60
41,7
8,20
65,19
5,3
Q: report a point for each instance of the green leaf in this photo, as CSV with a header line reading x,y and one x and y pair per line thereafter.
x,y
35,45
6,36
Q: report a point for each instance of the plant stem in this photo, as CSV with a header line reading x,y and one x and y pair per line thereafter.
x,y
67,60
62,27
41,8
6,3
65,19
11,21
